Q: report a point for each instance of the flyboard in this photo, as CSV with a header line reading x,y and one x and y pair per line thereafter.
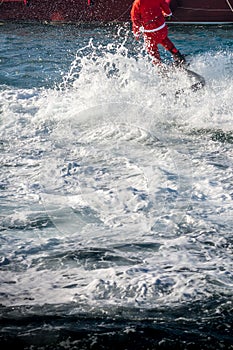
x,y
195,81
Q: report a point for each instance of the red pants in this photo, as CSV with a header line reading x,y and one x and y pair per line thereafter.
x,y
160,37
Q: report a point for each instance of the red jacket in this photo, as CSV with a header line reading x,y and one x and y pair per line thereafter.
x,y
149,14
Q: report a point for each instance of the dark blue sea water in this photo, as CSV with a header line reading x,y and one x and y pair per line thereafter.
x,y
116,193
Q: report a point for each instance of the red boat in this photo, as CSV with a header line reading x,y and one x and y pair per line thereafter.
x,y
102,11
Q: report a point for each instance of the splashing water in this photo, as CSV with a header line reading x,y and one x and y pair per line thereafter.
x,y
114,192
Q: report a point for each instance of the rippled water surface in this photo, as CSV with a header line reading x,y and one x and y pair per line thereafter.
x,y
116,208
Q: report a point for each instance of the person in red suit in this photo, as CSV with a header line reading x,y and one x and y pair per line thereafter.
x,y
148,17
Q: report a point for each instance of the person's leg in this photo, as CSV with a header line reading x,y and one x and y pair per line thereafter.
x,y
169,46
152,47
161,37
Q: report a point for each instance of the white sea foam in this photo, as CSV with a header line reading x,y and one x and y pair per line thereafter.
x,y
111,158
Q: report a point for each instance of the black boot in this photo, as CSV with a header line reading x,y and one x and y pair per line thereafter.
x,y
179,59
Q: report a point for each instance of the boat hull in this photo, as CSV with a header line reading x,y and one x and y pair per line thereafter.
x,y
88,11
